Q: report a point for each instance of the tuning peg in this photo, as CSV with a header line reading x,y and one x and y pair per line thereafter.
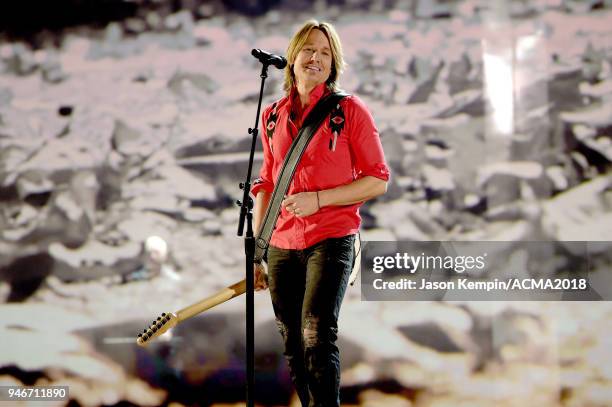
x,y
159,325
158,318
139,335
154,329
144,331
163,314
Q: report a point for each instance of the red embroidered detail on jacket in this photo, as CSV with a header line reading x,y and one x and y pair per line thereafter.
x,y
336,124
271,123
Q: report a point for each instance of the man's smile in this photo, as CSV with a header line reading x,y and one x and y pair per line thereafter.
x,y
313,68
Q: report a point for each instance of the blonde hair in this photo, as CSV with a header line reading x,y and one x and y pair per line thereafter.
x,y
298,41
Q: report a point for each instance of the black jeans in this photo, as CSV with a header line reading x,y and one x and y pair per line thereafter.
x,y
307,287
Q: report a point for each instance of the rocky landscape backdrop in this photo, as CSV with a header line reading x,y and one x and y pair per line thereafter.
x,y
496,120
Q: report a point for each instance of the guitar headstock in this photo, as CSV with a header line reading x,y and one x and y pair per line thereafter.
x,y
163,323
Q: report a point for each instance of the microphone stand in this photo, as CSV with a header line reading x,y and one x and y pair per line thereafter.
x,y
246,213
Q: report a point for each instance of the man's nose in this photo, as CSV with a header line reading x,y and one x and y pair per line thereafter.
x,y
314,56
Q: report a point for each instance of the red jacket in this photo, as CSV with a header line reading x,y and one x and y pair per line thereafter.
x,y
345,148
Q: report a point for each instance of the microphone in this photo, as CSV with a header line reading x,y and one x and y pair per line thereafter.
x,y
269,59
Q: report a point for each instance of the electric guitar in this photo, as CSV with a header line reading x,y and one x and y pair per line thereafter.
x,y
168,320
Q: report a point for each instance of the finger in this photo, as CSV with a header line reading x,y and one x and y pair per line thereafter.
x,y
260,285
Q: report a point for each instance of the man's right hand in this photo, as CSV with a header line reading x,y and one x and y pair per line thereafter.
x,y
260,277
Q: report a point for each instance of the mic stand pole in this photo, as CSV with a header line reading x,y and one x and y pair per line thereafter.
x,y
246,212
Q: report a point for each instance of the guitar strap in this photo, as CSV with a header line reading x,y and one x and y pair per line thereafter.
x,y
311,124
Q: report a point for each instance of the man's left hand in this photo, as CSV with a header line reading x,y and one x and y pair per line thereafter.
x,y
301,204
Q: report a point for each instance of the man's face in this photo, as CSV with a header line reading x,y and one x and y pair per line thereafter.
x,y
313,63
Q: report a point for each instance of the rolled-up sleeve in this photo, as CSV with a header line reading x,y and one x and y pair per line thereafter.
x,y
264,181
366,149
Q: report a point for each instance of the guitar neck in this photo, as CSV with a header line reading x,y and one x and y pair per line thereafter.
x,y
220,297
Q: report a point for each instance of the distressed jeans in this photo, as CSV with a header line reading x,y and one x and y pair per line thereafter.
x,y
307,287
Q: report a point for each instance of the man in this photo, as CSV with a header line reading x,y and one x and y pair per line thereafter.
x,y
311,250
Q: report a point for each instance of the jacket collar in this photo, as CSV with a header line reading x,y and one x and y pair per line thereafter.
x,y
315,95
